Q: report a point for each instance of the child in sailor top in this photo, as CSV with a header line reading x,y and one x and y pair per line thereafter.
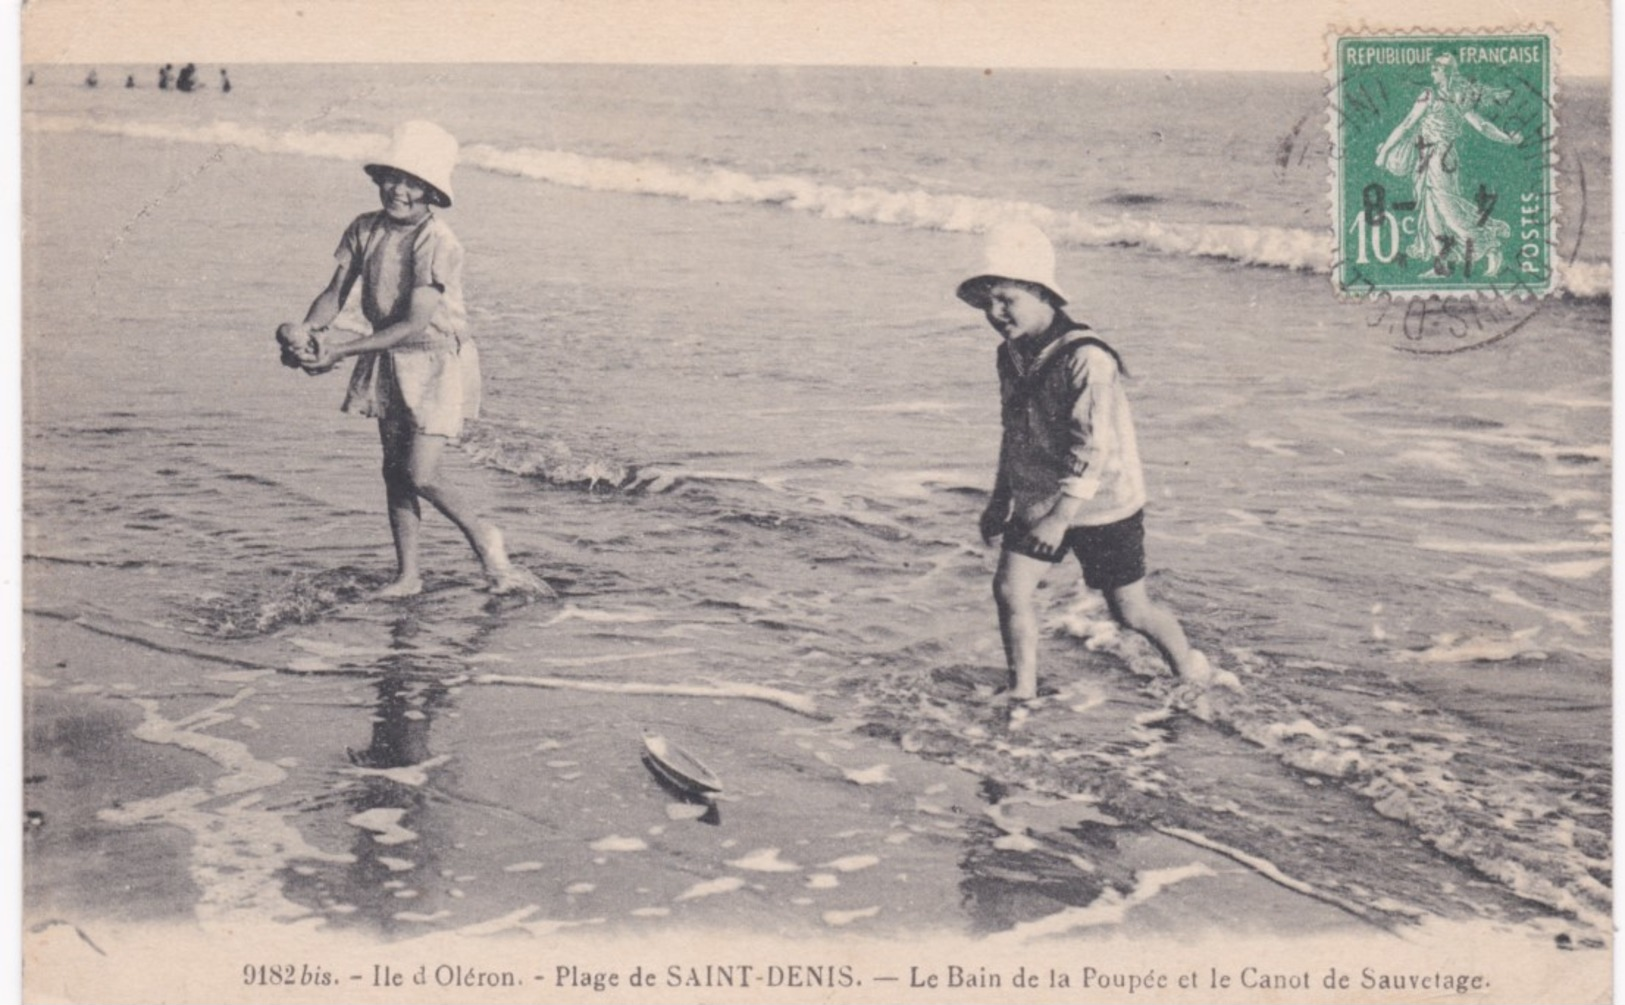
x,y
1069,477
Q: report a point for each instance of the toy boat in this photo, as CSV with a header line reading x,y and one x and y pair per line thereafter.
x,y
679,767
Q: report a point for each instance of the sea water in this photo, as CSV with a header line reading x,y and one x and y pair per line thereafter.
x,y
736,417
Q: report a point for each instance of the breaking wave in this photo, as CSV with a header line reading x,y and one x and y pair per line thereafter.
x,y
1274,247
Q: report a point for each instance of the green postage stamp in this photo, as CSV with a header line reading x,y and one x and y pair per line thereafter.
x,y
1443,164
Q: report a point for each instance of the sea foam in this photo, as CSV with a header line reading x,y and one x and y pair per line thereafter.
x,y
1276,247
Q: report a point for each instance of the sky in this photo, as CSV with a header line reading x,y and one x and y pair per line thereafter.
x,y
1279,35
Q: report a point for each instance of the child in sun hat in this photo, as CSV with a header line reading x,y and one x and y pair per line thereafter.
x,y
1069,477
418,372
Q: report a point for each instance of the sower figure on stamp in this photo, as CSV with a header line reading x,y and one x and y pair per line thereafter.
x,y
418,372
1426,147
1069,477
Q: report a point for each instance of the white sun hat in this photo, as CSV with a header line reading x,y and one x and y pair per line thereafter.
x,y
424,151
1018,251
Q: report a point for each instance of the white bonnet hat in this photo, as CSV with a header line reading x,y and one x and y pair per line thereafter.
x,y
1018,251
424,151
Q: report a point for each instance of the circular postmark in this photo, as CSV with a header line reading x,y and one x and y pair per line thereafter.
x,y
1444,186
1445,326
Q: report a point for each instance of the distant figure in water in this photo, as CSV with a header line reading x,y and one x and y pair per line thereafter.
x,y
187,81
91,80
225,82
1069,479
163,76
30,78
129,81
418,373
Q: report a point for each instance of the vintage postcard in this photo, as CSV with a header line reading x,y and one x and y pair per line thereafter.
x,y
816,502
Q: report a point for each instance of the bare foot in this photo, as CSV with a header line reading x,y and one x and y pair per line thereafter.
x,y
405,586
1200,673
1016,697
1017,690
513,579
1192,699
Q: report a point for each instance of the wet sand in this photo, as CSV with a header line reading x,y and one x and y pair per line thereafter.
x,y
248,813
82,758
835,830
841,859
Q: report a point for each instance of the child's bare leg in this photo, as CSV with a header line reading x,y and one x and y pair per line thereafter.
x,y
1133,607
483,537
404,521
404,514
486,540
1015,589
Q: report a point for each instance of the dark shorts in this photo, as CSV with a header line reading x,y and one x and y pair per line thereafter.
x,y
1112,555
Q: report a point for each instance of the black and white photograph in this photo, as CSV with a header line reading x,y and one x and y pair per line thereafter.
x,y
816,502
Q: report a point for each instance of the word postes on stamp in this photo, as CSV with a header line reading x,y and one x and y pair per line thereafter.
x,y
1443,168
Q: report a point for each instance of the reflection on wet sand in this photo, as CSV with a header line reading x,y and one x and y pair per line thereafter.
x,y
1010,878
394,883
395,877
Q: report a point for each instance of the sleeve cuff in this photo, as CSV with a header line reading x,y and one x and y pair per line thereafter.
x,y
1080,486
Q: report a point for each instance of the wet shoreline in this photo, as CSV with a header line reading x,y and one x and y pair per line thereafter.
x,y
835,830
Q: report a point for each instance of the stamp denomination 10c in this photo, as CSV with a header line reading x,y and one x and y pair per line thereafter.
x,y
1443,167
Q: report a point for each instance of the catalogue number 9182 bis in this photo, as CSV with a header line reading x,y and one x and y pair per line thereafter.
x,y
270,975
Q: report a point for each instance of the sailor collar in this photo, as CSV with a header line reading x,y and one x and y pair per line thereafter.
x,y
1026,362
